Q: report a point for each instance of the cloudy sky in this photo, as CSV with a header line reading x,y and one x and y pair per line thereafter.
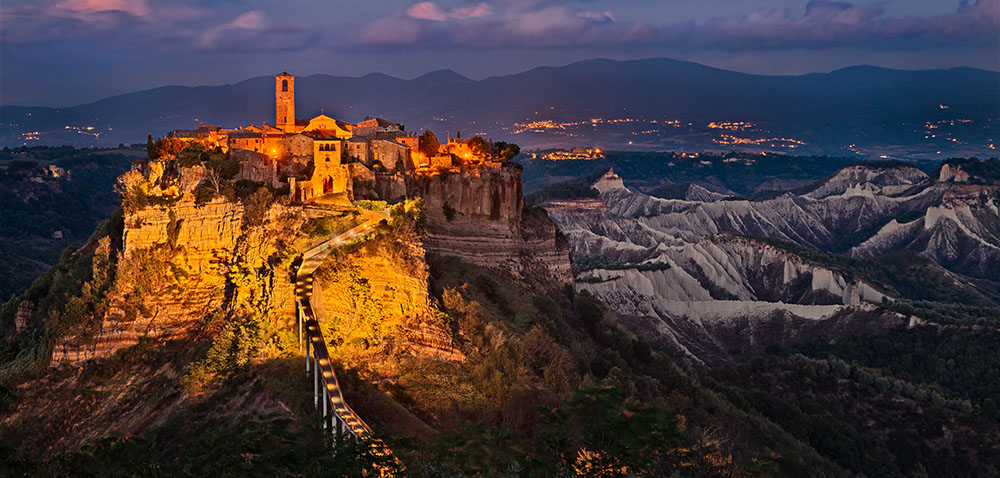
x,y
66,52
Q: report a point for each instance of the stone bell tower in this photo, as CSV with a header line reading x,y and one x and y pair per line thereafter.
x,y
284,102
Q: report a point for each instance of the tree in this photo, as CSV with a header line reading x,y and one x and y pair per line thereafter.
x,y
192,154
428,144
169,146
150,146
478,147
506,151
214,179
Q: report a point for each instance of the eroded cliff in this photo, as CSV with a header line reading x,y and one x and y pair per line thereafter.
x,y
479,216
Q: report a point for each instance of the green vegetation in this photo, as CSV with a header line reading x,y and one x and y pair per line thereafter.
x,y
579,188
36,205
671,191
582,263
506,151
258,446
553,386
428,144
961,361
330,225
448,210
371,205
986,171
866,421
69,295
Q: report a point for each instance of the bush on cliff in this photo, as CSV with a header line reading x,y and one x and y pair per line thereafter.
x,y
133,189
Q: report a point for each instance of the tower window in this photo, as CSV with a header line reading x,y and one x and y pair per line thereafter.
x,y
284,86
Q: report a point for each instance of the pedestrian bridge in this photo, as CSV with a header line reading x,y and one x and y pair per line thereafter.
x,y
338,416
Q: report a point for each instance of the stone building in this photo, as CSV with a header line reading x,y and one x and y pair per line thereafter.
x,y
322,155
212,136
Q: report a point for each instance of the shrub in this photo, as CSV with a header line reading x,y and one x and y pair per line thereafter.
x,y
256,206
131,187
449,212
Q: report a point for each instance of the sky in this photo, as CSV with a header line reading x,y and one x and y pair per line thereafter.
x,y
68,52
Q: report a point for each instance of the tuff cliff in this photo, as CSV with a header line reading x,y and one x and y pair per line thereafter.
x,y
479,216
182,263
372,301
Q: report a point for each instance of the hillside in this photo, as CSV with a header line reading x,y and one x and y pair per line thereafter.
x,y
651,104
867,235
52,198
169,342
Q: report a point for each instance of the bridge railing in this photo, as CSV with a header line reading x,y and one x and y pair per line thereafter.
x,y
338,416
326,388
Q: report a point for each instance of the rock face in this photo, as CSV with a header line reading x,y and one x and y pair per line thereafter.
x,y
688,271
183,262
343,293
959,232
950,172
479,216
176,267
24,310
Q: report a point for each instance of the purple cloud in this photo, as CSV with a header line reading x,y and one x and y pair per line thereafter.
x,y
525,24
838,24
169,27
538,23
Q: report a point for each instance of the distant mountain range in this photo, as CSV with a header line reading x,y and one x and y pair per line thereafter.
x,y
652,104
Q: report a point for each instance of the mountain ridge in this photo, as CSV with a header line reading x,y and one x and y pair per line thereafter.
x,y
376,74
656,104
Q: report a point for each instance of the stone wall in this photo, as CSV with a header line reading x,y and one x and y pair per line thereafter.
x,y
255,167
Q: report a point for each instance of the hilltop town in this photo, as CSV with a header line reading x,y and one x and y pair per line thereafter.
x,y
323,158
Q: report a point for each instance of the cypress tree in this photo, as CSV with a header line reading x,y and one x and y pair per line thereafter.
x,y
150,146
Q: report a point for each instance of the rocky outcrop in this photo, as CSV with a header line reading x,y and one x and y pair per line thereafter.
x,y
886,181
177,265
352,294
960,233
689,269
954,173
256,167
23,315
479,216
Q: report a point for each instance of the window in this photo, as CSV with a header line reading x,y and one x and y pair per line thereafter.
x,y
284,86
